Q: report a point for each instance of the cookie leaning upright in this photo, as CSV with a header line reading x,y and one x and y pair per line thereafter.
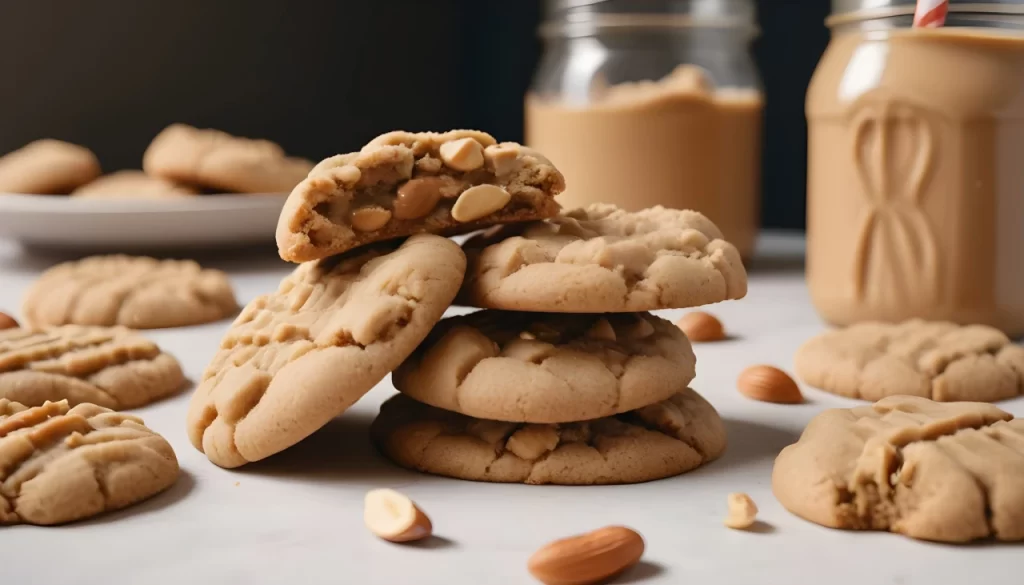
x,y
136,292
604,259
403,183
296,358
218,161
62,464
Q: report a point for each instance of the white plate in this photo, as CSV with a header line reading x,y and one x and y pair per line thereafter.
x,y
188,222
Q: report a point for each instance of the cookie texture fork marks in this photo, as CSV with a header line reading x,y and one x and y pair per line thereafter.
x,y
937,360
109,366
602,259
219,161
546,367
62,464
657,441
403,183
296,358
949,472
137,292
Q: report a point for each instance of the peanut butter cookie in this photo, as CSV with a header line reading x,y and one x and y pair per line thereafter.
x,y
941,361
218,161
110,366
132,185
137,292
660,440
403,183
950,472
603,259
47,167
62,464
546,367
295,359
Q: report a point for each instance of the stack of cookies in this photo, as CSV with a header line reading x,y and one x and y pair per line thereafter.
x,y
563,378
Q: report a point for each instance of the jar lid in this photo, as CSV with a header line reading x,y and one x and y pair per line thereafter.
x,y
898,7
726,9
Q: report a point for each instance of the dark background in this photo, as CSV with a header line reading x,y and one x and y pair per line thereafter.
x,y
324,76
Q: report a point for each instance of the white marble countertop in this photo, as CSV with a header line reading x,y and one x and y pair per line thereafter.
x,y
297,517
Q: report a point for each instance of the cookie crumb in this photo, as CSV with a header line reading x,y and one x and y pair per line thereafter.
x,y
742,511
238,483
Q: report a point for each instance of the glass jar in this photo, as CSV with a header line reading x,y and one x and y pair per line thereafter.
x,y
915,172
643,102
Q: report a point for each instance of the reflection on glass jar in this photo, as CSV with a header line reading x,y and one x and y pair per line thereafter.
x,y
915,184
653,103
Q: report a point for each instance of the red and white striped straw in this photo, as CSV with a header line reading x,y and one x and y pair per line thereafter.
x,y
931,13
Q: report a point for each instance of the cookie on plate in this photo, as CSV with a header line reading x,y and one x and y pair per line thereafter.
x,y
62,464
603,259
113,367
660,440
132,185
403,183
218,161
950,472
941,361
47,167
547,367
137,292
295,359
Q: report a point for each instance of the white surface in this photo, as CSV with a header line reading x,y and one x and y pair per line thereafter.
x,y
139,224
297,518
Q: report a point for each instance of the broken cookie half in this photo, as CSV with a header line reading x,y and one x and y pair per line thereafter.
x,y
403,183
948,472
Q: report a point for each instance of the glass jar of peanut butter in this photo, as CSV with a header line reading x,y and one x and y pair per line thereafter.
x,y
653,102
916,166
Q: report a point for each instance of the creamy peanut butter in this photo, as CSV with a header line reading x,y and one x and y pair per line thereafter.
x,y
916,177
676,142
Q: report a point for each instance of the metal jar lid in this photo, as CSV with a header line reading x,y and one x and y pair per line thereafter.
x,y
901,7
569,16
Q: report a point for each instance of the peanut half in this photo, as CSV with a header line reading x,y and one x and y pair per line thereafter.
x,y
699,326
7,322
368,219
478,202
418,197
742,511
769,384
464,154
394,517
587,558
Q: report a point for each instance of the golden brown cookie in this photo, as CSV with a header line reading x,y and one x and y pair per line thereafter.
x,y
62,464
132,185
403,183
661,440
950,472
941,361
603,259
218,161
547,367
137,292
47,167
113,367
295,359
